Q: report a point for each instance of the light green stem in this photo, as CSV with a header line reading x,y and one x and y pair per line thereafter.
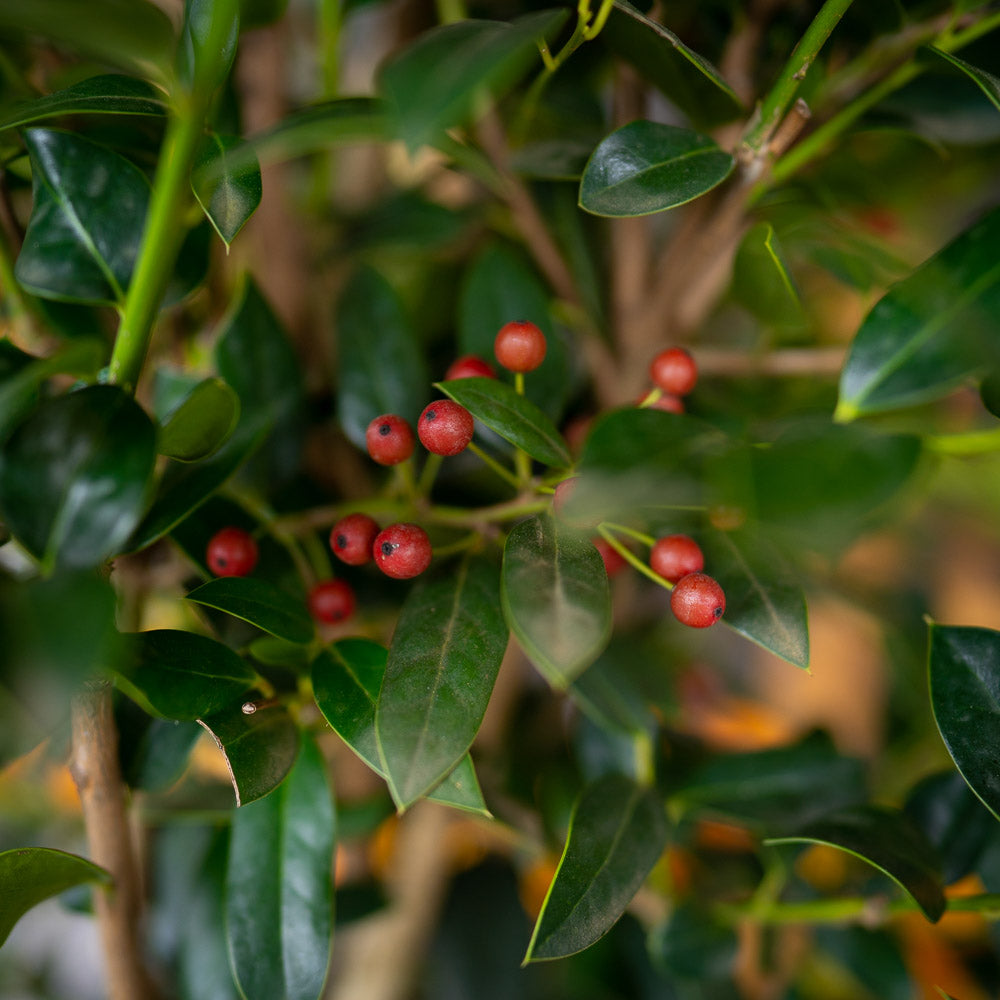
x,y
504,474
631,558
971,443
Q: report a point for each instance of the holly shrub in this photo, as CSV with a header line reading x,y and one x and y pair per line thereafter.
x,y
746,258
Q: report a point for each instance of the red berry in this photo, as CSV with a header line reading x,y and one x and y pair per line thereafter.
x,y
469,366
520,346
676,556
331,601
445,428
564,490
231,552
674,371
697,600
352,537
614,562
402,551
389,439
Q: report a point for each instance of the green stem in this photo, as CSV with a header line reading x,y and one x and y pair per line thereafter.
x,y
622,529
428,474
970,443
449,11
330,20
511,510
12,292
781,95
631,558
503,473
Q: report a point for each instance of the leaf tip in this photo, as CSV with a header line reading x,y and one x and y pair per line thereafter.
x,y
845,412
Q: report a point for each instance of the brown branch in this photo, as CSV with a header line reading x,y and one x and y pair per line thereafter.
x,y
790,362
96,772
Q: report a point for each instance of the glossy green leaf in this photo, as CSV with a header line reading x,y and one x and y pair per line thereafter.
x,y
691,946
182,675
515,418
134,34
86,222
889,841
646,167
555,597
259,748
984,80
346,679
434,83
207,45
108,94
776,788
761,280
30,875
279,886
258,602
255,357
378,374
275,652
764,599
228,189
687,79
74,476
617,833
443,661
964,669
159,756
931,332
202,423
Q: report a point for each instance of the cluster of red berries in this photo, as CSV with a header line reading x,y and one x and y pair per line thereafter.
x,y
696,599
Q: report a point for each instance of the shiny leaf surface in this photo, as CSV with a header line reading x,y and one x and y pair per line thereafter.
x,y
202,423
258,602
227,188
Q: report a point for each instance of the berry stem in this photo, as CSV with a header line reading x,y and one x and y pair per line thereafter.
x,y
503,473
631,558
622,529
266,517
474,517
519,383
651,397
428,474
407,479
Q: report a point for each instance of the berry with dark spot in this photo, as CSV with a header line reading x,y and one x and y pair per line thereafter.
x,y
231,552
402,551
445,427
389,439
352,537
697,600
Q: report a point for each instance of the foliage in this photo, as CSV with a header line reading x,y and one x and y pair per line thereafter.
x,y
202,316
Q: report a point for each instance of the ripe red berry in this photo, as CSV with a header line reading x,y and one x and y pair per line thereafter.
x,y
231,552
389,439
674,371
445,428
352,537
676,556
697,600
469,366
331,601
614,562
520,346
402,551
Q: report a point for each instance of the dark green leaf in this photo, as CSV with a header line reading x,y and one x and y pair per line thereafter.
x,y
383,373
182,675
931,332
87,220
207,45
555,597
985,81
691,946
229,190
764,599
434,83
109,94
964,667
761,280
346,680
688,80
647,167
274,652
30,875
74,476
617,833
279,893
260,748
202,423
160,754
260,603
513,417
443,662
775,789
888,840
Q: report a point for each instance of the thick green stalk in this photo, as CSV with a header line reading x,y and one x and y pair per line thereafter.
x,y
781,95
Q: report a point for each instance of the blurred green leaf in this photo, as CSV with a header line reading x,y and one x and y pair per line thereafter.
x,y
260,603
646,167
30,875
889,841
985,81
275,652
964,672
108,94
443,662
74,476
931,332
555,597
378,374
687,79
346,679
160,754
434,83
182,675
617,833
279,892
228,190
513,417
761,280
89,210
202,423
207,45
691,946
259,748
